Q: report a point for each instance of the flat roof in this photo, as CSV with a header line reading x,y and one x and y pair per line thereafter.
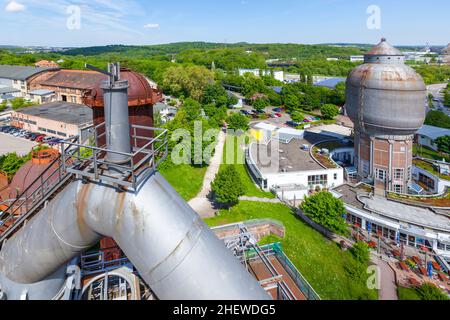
x,y
291,157
70,113
433,132
5,90
20,72
41,92
330,83
391,210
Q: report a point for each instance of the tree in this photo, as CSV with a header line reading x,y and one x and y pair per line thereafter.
x,y
260,104
447,98
237,122
329,111
291,102
297,116
3,105
228,187
443,144
429,291
189,81
326,210
438,119
19,103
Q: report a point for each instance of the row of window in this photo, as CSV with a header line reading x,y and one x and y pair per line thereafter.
x,y
399,174
61,134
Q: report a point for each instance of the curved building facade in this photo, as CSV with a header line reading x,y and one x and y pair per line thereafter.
x,y
386,101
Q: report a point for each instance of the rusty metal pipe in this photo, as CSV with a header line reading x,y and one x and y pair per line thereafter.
x,y
177,255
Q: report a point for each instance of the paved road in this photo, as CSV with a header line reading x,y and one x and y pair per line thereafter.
x,y
201,203
10,144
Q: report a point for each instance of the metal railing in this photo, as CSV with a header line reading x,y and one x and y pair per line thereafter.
x,y
95,263
92,161
34,196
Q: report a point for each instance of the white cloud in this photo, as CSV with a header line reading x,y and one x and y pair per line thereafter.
x,y
14,6
152,26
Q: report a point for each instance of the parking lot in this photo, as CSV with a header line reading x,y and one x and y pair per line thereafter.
x,y
8,144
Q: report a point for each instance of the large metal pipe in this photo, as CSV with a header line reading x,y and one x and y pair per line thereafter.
x,y
177,255
115,97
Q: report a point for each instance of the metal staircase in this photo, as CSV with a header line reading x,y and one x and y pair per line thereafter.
x,y
34,197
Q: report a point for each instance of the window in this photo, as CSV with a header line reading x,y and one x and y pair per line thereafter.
x,y
33,122
399,174
398,188
73,99
365,167
51,131
318,180
380,174
61,134
42,129
335,176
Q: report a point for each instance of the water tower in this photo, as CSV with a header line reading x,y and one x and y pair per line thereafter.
x,y
386,101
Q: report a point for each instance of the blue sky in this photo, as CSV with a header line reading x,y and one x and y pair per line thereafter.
x,y
44,22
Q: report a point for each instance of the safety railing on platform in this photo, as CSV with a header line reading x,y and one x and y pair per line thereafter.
x,y
23,207
95,263
141,163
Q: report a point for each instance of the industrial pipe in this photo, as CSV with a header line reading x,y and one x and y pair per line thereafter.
x,y
175,252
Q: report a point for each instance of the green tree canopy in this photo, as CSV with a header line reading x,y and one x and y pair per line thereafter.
x,y
228,187
438,119
329,111
297,116
237,122
326,210
260,104
443,144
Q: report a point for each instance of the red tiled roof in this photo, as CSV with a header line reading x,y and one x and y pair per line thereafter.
x,y
76,79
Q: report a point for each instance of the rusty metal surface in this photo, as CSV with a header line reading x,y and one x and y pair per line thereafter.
x,y
177,255
140,92
76,79
386,97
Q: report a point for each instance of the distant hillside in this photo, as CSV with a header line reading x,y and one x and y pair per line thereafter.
x,y
274,50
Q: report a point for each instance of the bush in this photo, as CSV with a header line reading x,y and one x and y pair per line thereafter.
x,y
326,210
360,252
438,119
19,103
429,291
238,122
228,187
329,111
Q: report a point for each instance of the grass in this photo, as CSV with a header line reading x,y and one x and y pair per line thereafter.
x,y
406,294
320,261
427,153
430,168
239,163
186,180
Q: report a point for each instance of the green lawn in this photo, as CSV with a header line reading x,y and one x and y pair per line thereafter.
x,y
186,180
241,168
426,153
407,294
320,261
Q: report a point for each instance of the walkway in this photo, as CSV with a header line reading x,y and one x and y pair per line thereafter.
x,y
388,287
201,203
255,199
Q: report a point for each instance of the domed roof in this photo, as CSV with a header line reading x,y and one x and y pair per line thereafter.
x,y
385,97
384,49
139,92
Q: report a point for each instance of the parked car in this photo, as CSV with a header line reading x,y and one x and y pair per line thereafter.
x,y
293,124
278,115
40,138
278,110
47,139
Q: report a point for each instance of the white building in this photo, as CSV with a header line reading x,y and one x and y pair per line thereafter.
x,y
277,74
17,77
356,58
285,164
428,135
